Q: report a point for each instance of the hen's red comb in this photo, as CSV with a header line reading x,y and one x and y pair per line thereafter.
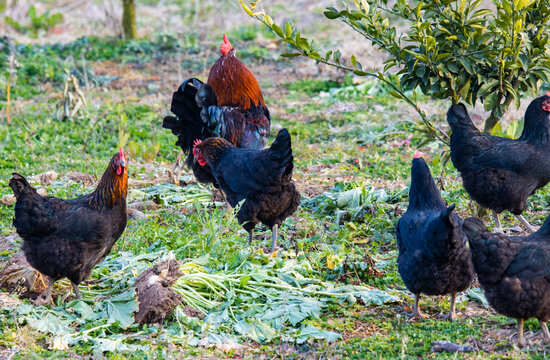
x,y
546,103
225,46
121,154
196,142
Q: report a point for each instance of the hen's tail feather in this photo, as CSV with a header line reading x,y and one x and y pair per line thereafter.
x,y
458,117
473,227
187,125
19,184
282,149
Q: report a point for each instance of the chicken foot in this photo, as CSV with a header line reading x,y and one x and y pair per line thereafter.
x,y
497,222
48,297
525,223
416,312
545,333
76,290
227,205
452,313
521,339
273,237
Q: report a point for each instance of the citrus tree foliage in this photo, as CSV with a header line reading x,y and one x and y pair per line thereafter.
x,y
450,49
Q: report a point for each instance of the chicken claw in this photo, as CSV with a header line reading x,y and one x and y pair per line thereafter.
x,y
47,300
416,314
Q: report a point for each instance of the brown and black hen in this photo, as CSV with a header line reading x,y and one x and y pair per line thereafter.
x,y
514,272
262,178
67,238
433,255
501,173
230,105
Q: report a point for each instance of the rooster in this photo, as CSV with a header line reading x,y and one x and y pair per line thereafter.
x,y
67,238
501,173
262,178
230,105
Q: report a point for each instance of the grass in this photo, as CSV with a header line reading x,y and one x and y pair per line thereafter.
x,y
346,137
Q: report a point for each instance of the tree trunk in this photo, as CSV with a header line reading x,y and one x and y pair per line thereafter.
x,y
129,19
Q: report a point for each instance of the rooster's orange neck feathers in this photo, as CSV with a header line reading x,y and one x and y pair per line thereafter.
x,y
111,189
233,83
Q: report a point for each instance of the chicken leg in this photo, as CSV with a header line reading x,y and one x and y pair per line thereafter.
x,y
76,290
497,222
273,237
227,205
452,313
525,223
250,237
48,297
521,339
416,312
545,333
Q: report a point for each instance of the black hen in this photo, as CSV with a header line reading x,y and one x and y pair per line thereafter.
x,y
433,256
500,173
262,178
514,272
67,238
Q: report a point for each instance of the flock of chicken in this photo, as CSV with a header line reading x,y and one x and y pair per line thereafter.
x,y
499,174
223,126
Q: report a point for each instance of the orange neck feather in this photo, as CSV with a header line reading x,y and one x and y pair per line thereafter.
x,y
213,148
234,84
111,189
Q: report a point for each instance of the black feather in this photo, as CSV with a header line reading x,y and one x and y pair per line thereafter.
x,y
513,271
433,256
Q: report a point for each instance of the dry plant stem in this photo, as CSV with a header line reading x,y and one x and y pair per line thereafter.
x,y
525,223
8,88
178,168
8,100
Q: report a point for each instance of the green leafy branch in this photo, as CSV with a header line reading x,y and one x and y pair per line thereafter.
x,y
452,50
334,58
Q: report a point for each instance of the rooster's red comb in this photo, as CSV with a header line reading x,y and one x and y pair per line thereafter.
x,y
197,142
225,46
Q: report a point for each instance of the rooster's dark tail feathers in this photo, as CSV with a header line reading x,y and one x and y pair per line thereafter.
x,y
187,125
